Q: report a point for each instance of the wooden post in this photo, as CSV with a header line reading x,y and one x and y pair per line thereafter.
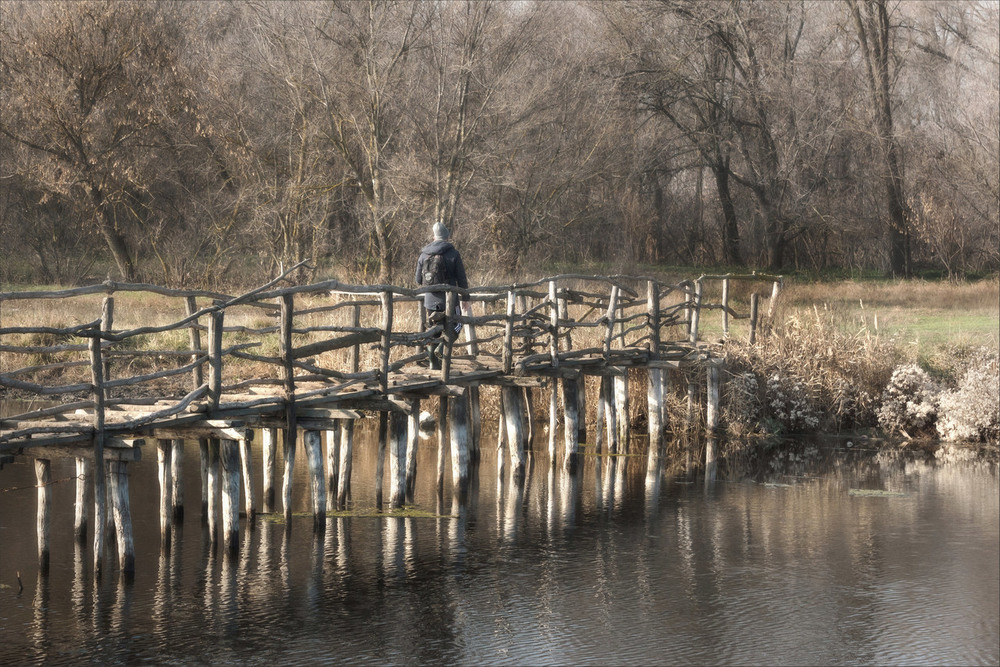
x,y
398,436
696,312
270,451
317,489
610,413
654,409
472,346
412,443
501,438
553,419
622,410
288,454
386,298
100,473
611,318
754,311
529,418
194,336
442,429
177,478
458,429
508,336
203,457
249,498
229,459
475,424
553,325
712,420
725,307
689,421
123,517
570,404
164,462
84,469
599,418
107,324
291,425
513,412
383,432
215,323
43,480
346,455
213,490
332,465
773,304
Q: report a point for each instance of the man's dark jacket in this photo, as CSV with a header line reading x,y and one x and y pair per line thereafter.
x,y
454,269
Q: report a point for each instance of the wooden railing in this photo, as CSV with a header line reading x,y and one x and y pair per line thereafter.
x,y
310,343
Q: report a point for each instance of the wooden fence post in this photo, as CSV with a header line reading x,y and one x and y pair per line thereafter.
x,y
291,426
754,310
696,312
725,307
100,471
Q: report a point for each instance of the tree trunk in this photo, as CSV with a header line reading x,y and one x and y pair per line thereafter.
x,y
116,242
730,230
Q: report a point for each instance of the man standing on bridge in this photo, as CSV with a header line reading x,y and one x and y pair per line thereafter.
x,y
441,264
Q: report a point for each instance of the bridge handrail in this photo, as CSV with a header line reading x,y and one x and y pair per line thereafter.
x,y
539,325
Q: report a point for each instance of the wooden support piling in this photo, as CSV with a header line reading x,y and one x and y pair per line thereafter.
x,y
100,474
203,458
249,498
346,457
475,424
754,311
123,517
177,478
513,410
213,488
571,429
84,492
164,463
229,462
712,420
398,436
269,448
654,408
412,443
332,465
622,410
313,442
695,313
458,429
43,512
553,419
441,430
383,434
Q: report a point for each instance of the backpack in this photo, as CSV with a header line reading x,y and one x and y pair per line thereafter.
x,y
435,270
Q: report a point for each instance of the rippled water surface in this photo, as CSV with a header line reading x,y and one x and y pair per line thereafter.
x,y
609,566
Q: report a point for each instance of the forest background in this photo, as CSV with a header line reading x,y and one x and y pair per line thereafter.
x,y
209,143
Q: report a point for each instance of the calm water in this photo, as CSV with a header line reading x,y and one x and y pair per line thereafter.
x,y
612,566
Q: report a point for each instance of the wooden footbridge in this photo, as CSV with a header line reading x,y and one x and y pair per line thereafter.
x,y
293,362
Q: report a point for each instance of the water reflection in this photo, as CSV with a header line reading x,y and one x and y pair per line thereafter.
x,y
616,561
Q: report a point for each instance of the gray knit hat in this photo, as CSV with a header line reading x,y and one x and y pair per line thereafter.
x,y
440,231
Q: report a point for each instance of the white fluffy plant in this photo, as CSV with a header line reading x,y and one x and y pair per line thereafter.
x,y
909,401
971,411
